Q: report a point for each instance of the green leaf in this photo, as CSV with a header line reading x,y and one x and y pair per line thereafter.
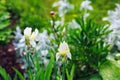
x,y
31,75
19,74
38,75
4,24
4,16
110,70
49,68
71,75
40,72
4,74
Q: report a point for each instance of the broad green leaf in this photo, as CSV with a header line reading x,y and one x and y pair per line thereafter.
x,y
110,70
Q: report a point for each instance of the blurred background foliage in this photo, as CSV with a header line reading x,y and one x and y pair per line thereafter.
x,y
4,24
33,13
100,8
36,14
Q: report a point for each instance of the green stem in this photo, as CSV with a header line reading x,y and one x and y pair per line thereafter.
x,y
54,30
32,60
63,70
28,61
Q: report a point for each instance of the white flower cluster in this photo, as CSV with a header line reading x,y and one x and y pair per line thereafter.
x,y
114,19
85,5
38,41
34,39
64,7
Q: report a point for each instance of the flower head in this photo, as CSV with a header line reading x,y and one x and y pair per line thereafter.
x,y
86,5
64,7
63,51
27,32
30,36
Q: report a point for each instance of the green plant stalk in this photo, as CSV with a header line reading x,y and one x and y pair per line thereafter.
x,y
55,31
63,68
63,72
32,60
53,26
29,65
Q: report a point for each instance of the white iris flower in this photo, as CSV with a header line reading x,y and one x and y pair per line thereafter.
x,y
63,51
31,36
86,5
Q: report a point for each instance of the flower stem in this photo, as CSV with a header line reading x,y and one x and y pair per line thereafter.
x,y
63,70
55,31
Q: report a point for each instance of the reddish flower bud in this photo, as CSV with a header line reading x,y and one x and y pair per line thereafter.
x,y
52,13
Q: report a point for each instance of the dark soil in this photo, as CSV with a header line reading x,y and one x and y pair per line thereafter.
x,y
8,58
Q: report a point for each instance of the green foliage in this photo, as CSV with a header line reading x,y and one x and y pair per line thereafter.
x,y
4,23
95,77
39,73
71,74
110,70
49,68
33,13
87,47
87,43
100,8
21,77
4,74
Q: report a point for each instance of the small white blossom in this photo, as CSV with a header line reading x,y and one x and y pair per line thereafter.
x,y
18,34
43,41
64,7
30,36
44,52
63,51
86,5
17,43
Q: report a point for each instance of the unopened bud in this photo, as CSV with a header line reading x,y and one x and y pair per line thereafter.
x,y
52,13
